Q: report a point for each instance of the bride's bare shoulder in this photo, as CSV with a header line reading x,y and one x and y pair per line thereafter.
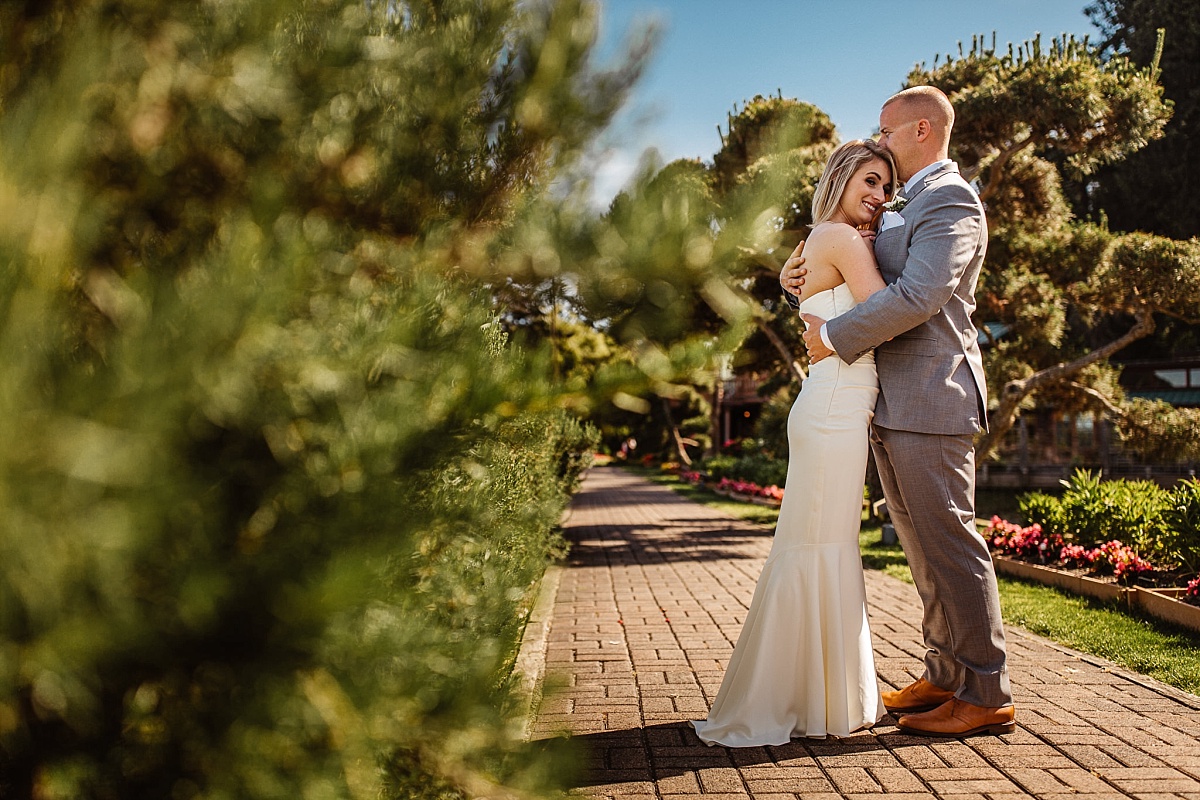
x,y
832,236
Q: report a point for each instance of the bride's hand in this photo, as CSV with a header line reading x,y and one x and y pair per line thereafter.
x,y
817,351
791,277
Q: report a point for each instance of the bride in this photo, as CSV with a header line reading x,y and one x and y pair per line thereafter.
x,y
803,664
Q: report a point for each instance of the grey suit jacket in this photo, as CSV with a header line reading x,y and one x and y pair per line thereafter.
x,y
926,347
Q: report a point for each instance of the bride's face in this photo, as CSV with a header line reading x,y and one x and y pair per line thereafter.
x,y
868,188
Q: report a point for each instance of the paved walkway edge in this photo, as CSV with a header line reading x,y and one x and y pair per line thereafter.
x,y
530,666
1113,668
645,612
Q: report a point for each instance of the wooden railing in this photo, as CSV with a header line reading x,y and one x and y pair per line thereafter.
x,y
1045,476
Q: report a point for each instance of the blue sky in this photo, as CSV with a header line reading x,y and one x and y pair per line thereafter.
x,y
844,57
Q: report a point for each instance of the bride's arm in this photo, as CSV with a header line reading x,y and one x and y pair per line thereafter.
x,y
854,258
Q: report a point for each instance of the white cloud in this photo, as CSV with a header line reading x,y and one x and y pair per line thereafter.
x,y
612,170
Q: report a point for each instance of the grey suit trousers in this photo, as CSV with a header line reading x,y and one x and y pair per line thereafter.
x,y
929,482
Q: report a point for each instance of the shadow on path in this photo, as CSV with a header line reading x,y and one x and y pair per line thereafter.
x,y
672,750
677,540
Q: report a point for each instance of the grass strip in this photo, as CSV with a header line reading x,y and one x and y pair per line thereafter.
x,y
1150,647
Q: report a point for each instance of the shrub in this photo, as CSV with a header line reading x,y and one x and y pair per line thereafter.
x,y
721,466
755,468
275,488
573,444
1182,539
1091,511
1039,508
1162,526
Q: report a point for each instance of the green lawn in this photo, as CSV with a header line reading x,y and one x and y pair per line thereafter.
x,y
1162,651
1142,645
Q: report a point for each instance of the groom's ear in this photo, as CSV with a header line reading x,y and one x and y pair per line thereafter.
x,y
924,128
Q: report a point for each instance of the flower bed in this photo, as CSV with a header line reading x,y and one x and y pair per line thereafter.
x,y
741,490
1106,572
1033,544
752,491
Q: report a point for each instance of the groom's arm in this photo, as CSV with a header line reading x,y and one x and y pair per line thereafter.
x,y
944,242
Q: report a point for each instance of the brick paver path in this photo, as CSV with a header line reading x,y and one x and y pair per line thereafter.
x,y
642,625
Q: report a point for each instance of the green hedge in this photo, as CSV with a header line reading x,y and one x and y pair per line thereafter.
x,y
241,558
275,485
756,467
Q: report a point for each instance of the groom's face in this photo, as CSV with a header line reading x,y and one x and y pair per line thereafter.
x,y
898,133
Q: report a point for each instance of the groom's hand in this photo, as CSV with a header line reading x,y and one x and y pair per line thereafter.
x,y
791,277
817,351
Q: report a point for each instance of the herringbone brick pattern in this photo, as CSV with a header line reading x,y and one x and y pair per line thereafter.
x,y
642,625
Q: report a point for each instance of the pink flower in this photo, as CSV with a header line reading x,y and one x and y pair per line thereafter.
x,y
1074,554
1011,539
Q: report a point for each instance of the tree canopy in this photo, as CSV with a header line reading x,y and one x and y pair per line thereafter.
x,y
1068,294
1141,192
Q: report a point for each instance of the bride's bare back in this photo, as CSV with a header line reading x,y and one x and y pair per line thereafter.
x,y
837,253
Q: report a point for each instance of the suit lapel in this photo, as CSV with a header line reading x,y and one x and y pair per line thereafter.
x,y
891,251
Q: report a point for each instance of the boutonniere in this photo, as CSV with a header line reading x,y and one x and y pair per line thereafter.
x,y
896,203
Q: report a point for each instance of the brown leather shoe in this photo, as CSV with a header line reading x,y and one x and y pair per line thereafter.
x,y
920,695
958,718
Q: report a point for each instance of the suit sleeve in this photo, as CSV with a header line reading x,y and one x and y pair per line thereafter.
x,y
945,239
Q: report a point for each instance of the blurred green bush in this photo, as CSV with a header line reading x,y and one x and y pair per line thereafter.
x,y
276,483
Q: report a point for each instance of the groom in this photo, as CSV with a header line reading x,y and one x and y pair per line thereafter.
x,y
932,401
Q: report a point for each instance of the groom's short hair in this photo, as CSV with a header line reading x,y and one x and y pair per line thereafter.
x,y
929,102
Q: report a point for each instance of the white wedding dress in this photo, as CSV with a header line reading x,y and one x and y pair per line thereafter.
x,y
803,664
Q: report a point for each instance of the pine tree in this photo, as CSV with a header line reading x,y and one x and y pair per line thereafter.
x,y
1140,193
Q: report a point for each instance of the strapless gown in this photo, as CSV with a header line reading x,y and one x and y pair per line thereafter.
x,y
803,664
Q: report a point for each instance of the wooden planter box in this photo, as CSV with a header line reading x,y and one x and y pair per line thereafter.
x,y
1162,604
1076,584
1158,603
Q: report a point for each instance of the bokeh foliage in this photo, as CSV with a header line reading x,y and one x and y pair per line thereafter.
x,y
277,478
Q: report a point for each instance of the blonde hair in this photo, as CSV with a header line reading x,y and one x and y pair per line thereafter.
x,y
842,165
